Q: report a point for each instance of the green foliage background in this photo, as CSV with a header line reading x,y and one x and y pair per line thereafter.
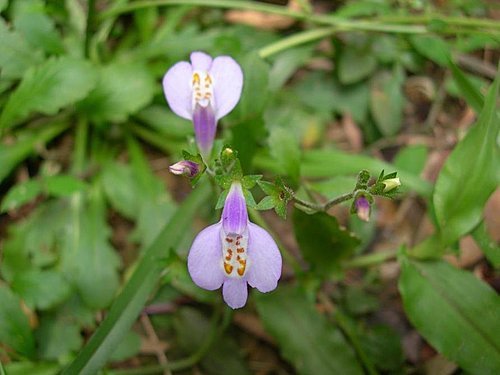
x,y
83,115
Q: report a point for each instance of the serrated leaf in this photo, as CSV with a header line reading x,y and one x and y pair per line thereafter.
x,y
21,194
469,175
323,243
15,331
31,19
16,56
314,345
123,88
47,88
41,289
454,311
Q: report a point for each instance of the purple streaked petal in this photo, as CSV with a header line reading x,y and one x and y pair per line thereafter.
x,y
234,214
205,127
201,61
205,258
177,89
228,83
235,292
265,259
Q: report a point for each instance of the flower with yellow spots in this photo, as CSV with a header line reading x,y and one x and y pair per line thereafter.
x,y
203,91
233,253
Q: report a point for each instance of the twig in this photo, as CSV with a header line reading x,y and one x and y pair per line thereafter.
x,y
151,333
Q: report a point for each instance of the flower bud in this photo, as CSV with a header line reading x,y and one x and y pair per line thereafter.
x,y
362,208
185,168
391,184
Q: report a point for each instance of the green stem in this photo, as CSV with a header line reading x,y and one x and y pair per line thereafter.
x,y
325,206
89,30
456,21
289,258
346,24
369,259
296,39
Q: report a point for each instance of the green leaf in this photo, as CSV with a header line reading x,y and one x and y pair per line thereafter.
x,y
11,155
432,47
383,345
31,19
58,337
118,183
135,293
454,311
21,194
154,205
256,73
469,175
387,100
123,88
15,331
314,345
41,289
323,242
63,185
38,368
128,347
86,247
471,94
355,65
47,88
16,56
490,249
285,149
411,159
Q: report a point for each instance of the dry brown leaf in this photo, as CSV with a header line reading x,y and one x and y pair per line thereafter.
x,y
262,20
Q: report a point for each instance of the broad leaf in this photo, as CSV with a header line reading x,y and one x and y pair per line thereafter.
x,y
432,47
58,336
306,338
88,260
469,175
15,331
473,97
47,88
355,64
122,89
323,243
387,100
41,289
285,149
16,56
454,311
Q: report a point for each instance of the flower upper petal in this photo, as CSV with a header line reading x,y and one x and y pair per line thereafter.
x,y
265,259
177,89
234,214
201,61
235,292
205,258
228,83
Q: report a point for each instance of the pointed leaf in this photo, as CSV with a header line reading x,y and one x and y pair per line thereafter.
x,y
454,311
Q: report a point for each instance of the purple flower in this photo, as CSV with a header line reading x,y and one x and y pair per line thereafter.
x,y
235,252
362,208
203,91
185,168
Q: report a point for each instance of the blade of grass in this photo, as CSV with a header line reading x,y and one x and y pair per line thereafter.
x,y
130,302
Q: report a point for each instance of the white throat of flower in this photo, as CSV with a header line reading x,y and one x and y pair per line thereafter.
x,y
234,254
202,84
